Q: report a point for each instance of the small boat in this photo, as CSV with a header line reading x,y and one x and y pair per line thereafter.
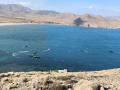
x,y
36,57
33,56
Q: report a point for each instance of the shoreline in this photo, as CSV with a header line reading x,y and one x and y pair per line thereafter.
x,y
93,80
6,24
11,24
64,71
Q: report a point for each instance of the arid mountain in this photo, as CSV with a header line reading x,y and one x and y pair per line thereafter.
x,y
18,10
11,10
98,21
13,13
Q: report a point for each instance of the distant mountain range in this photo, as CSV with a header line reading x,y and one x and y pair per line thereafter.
x,y
14,13
114,18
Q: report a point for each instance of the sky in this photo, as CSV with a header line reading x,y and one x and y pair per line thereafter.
x,y
94,7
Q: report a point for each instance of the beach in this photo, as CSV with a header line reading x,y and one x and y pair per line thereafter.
x,y
7,24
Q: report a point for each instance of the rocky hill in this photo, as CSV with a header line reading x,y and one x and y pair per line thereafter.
x,y
13,13
97,80
98,21
19,10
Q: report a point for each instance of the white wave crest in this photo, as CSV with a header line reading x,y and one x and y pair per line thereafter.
x,y
18,53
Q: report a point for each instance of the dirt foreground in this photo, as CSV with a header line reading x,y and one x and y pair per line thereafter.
x,y
96,80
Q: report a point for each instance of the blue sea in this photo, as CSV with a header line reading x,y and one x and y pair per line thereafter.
x,y
53,47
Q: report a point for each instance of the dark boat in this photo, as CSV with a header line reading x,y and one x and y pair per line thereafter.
x,y
33,56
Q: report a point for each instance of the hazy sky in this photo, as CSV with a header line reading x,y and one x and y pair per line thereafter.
x,y
97,7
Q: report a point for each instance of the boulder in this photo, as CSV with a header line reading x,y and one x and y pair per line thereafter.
x,y
86,85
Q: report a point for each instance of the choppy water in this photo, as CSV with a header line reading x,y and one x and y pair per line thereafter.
x,y
51,47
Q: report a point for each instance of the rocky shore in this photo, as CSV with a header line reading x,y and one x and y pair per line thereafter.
x,y
95,80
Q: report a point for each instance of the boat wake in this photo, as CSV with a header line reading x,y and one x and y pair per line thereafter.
x,y
47,50
19,53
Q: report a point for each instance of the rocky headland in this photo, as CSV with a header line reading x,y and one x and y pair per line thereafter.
x,y
54,80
